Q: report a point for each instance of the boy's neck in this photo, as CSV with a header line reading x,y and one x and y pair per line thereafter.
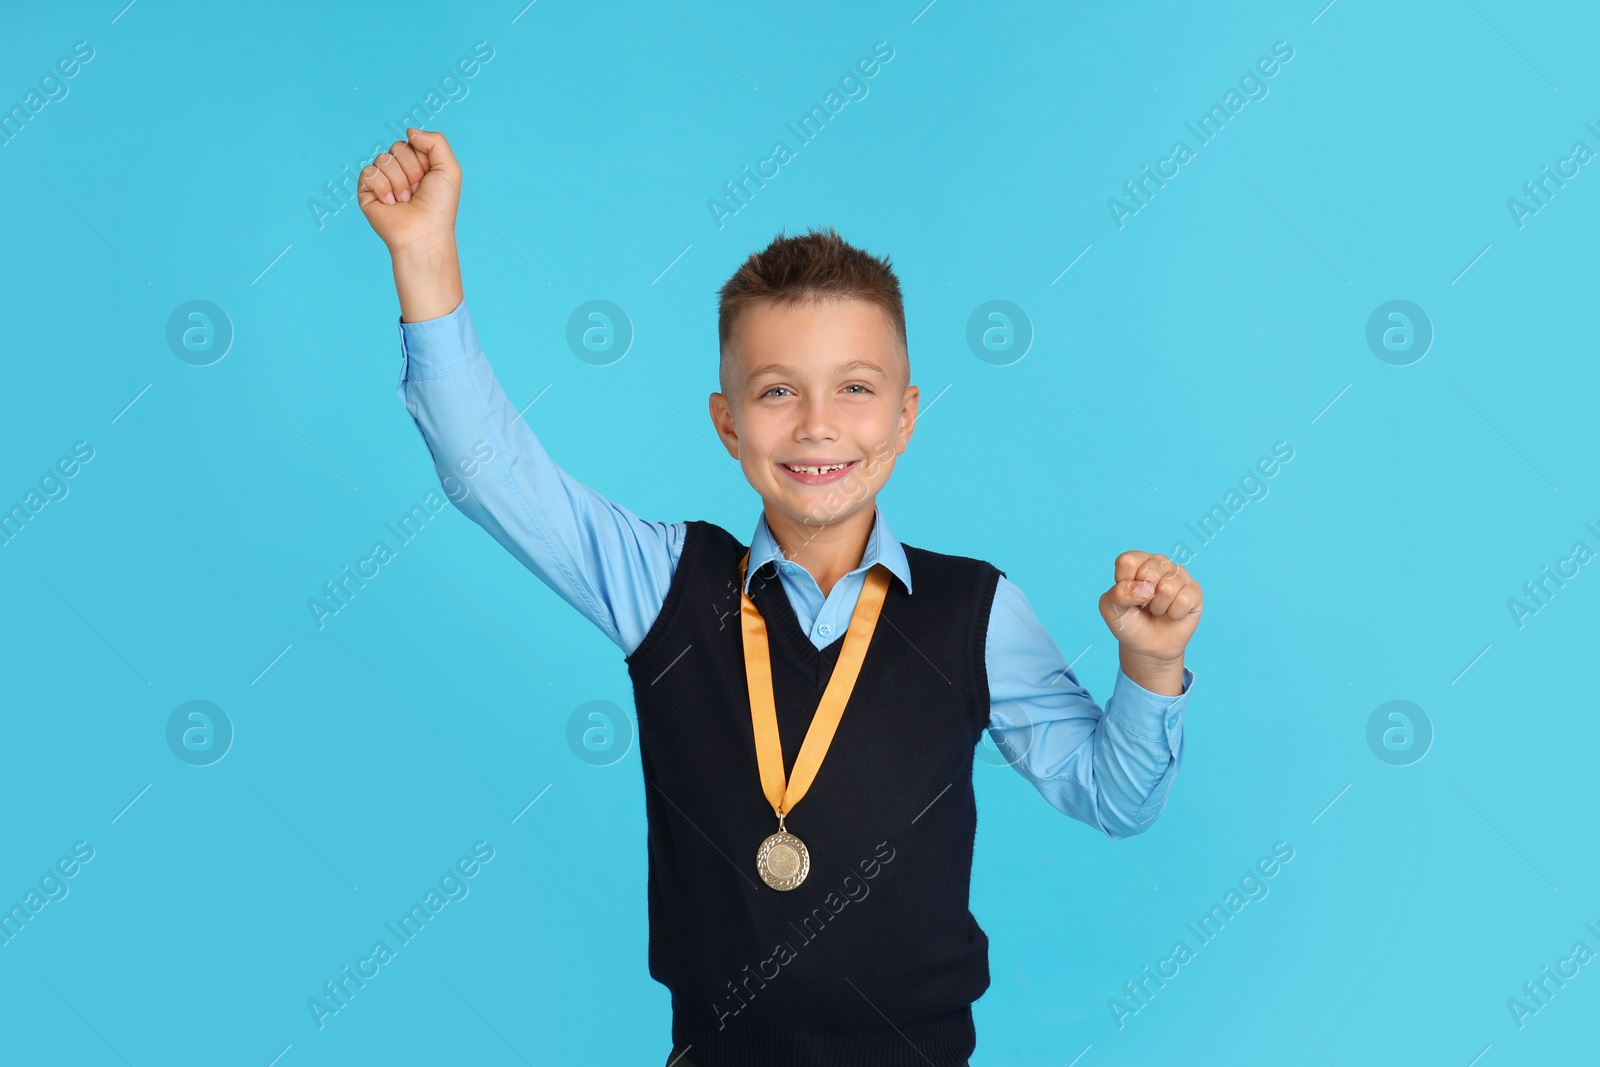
x,y
828,552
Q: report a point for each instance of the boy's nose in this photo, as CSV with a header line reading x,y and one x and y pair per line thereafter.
x,y
818,422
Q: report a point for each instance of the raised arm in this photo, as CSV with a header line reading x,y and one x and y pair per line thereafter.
x,y
611,566
1111,769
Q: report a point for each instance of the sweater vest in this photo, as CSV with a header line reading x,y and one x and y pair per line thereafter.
x,y
875,959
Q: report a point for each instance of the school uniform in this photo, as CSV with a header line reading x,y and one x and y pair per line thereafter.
x,y
874,958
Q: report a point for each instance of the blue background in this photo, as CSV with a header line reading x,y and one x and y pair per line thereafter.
x,y
1228,314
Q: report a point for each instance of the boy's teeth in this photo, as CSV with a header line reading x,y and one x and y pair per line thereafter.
x,y
816,470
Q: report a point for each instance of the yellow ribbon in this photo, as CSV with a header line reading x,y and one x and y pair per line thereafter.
x,y
763,711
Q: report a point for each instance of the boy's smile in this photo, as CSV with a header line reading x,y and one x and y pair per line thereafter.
x,y
820,472
817,405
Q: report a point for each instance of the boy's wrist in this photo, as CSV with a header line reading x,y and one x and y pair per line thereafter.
x,y
1161,676
427,278
425,249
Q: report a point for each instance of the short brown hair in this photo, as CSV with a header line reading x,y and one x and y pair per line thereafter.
x,y
817,265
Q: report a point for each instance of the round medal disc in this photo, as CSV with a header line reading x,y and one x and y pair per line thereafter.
x,y
782,860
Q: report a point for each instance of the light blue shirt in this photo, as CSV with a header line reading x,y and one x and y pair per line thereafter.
x,y
1112,769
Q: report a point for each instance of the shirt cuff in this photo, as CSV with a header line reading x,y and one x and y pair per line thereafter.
x,y
1147,714
433,348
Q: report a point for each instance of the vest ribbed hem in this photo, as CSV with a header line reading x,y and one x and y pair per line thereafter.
x,y
944,1042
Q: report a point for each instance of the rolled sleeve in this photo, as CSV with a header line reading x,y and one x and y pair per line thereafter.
x,y
433,348
1148,715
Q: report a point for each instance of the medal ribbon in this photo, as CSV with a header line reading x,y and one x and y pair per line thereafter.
x,y
763,711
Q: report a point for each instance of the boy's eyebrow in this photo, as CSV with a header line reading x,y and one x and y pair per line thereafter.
x,y
848,365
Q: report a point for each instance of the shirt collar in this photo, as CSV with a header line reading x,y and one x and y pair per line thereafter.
x,y
882,547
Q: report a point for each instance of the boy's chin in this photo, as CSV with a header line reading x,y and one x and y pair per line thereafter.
x,y
811,508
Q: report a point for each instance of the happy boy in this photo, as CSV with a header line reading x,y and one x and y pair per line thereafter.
x,y
809,704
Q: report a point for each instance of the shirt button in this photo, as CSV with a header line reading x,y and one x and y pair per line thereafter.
x,y
824,629
1172,720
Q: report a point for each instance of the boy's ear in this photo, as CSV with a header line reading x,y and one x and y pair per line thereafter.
x,y
723,421
908,415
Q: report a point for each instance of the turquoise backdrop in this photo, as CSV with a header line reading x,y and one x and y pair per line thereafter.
x,y
1370,269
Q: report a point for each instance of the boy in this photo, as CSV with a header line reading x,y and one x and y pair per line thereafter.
x,y
800,666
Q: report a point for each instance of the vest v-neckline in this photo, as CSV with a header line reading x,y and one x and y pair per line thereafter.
x,y
783,628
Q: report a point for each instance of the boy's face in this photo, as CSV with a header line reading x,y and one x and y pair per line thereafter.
x,y
819,383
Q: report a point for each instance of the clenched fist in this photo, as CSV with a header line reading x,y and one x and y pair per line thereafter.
x,y
1152,609
410,193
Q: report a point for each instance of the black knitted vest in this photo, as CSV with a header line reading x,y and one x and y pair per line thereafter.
x,y
875,959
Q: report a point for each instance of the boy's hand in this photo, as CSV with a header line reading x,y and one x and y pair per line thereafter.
x,y
410,193
1152,610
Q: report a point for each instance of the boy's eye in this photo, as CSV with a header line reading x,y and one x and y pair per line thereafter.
x,y
853,385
